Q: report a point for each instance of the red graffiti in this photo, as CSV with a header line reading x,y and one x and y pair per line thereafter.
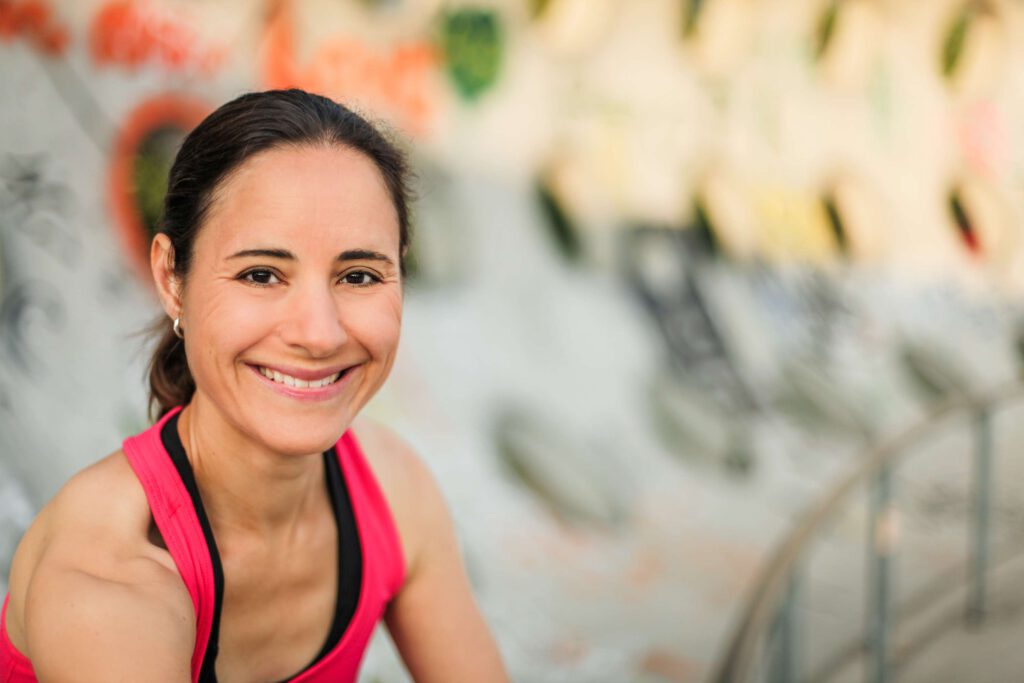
x,y
395,84
132,34
35,21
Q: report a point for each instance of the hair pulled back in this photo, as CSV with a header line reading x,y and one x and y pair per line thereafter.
x,y
250,124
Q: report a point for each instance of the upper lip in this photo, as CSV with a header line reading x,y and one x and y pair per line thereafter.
x,y
303,373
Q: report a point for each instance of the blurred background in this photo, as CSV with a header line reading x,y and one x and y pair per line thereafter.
x,y
713,323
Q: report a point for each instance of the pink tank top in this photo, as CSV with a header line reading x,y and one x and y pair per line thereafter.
x,y
376,572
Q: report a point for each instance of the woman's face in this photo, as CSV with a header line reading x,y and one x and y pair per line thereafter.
x,y
294,279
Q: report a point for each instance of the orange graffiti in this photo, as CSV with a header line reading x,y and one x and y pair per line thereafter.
x,y
34,20
133,33
164,111
393,84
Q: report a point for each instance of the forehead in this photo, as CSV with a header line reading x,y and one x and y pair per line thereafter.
x,y
301,197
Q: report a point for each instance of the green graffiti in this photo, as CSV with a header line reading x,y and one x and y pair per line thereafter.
x,y
381,4
691,16
826,29
964,224
559,224
538,8
472,45
953,46
705,230
835,221
152,165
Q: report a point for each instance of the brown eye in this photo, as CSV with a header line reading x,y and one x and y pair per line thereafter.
x,y
360,278
260,276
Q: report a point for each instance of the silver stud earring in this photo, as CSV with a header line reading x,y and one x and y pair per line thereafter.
x,y
177,329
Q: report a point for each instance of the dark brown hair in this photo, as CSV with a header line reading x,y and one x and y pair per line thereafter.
x,y
245,126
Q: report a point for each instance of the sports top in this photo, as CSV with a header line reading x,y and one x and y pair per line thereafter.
x,y
371,568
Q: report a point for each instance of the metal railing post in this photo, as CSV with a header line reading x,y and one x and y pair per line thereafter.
x,y
883,536
982,494
785,637
754,635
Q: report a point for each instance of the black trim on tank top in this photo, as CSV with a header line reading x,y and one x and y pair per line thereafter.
x,y
172,444
350,552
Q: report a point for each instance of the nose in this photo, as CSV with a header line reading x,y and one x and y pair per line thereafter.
x,y
314,322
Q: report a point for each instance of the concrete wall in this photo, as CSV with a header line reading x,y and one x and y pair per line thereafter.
x,y
636,344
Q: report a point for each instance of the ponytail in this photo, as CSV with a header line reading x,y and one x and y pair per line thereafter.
x,y
170,380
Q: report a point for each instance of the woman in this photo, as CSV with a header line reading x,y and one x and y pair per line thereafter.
x,y
251,535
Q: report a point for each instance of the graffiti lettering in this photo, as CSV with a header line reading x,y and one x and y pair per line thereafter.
x,y
393,84
35,21
132,34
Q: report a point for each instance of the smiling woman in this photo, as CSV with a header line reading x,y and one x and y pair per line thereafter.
x,y
258,531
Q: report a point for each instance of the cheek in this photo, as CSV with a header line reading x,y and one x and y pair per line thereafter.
x,y
226,327
377,323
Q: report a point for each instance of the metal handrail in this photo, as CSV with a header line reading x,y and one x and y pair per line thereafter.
x,y
775,580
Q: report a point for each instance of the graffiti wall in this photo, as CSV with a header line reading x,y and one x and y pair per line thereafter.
x,y
675,263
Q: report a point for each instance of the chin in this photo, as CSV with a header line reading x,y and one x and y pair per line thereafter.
x,y
298,437
288,445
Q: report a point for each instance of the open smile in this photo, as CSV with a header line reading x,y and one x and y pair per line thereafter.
x,y
289,380
304,384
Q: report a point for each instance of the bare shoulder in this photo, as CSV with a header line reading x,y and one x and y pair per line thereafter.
x,y
88,565
409,486
394,461
433,620
98,522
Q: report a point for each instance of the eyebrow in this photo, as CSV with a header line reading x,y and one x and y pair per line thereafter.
x,y
348,255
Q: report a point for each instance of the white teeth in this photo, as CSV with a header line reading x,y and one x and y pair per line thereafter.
x,y
290,381
325,381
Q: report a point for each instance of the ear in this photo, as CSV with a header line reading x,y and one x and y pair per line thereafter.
x,y
168,285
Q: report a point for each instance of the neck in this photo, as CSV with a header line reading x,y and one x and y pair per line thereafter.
x,y
247,488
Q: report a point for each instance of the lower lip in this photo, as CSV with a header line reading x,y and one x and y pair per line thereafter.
x,y
307,394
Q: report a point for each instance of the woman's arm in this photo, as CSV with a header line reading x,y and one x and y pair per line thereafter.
x,y
84,628
90,598
434,620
